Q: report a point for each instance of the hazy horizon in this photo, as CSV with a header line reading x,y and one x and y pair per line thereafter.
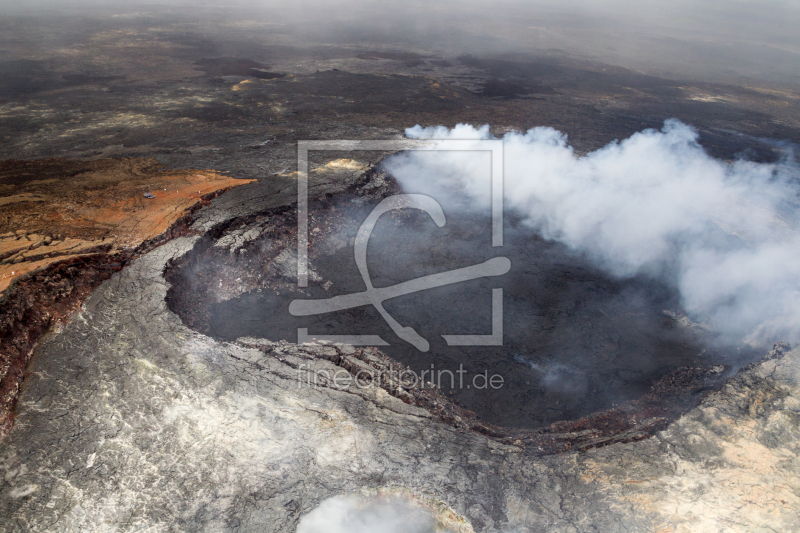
x,y
732,41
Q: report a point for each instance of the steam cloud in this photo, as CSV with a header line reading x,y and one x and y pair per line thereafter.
x,y
724,234
353,514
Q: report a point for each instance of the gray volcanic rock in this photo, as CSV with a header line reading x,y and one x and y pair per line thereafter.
x,y
132,421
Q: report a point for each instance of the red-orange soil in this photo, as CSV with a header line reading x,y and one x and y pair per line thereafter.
x,y
66,226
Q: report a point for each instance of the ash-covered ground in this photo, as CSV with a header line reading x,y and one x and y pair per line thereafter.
x,y
171,401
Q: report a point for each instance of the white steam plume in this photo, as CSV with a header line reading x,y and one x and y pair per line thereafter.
x,y
354,514
724,234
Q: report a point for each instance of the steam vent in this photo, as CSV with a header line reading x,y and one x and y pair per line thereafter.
x,y
368,267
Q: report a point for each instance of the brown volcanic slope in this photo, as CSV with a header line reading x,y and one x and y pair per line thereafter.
x,y
66,226
56,208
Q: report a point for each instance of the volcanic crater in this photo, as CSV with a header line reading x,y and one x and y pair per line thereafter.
x,y
648,361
